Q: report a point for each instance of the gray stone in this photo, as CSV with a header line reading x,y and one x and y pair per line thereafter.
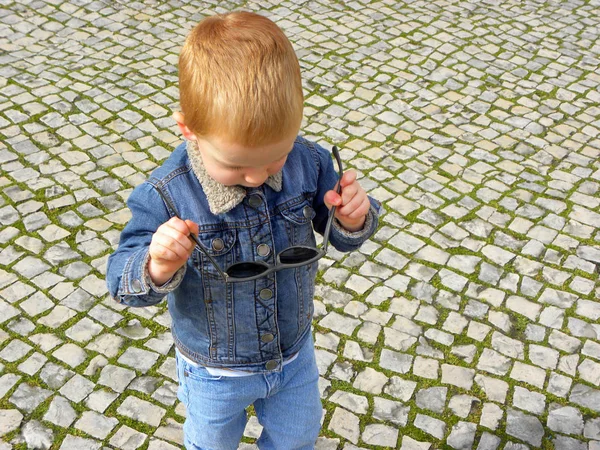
x,y
77,443
585,396
351,402
430,425
345,424
590,371
116,378
493,362
55,376
494,389
10,420
528,374
391,411
559,385
70,354
433,399
77,388
409,443
100,400
457,376
530,401
400,388
567,443
488,442
138,359
382,435
491,415
339,323
95,424
370,381
524,427
395,361
462,435
127,438
141,410
37,436
566,420
461,405
592,428
28,398
60,412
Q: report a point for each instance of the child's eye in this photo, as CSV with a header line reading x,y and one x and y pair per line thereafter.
x,y
235,168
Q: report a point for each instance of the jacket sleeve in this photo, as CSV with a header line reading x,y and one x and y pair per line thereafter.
x,y
127,275
342,239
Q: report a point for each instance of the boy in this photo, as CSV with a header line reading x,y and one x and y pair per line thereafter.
x,y
244,187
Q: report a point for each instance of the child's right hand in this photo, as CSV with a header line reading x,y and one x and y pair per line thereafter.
x,y
170,249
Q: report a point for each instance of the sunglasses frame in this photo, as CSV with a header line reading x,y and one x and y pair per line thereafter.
x,y
270,268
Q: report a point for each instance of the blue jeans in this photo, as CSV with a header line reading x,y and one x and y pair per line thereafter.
x,y
287,405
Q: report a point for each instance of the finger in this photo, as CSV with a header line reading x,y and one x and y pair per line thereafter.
x,y
177,224
160,253
361,211
193,227
180,231
179,240
182,252
352,206
349,192
348,178
332,198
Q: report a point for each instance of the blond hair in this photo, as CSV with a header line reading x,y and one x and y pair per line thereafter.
x,y
239,80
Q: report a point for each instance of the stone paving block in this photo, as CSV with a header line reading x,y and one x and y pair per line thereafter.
x,y
27,397
127,438
430,425
141,410
116,378
77,443
345,424
11,420
60,412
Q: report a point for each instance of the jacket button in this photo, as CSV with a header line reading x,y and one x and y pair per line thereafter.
x,y
218,244
271,365
307,211
266,294
255,201
136,285
266,338
263,250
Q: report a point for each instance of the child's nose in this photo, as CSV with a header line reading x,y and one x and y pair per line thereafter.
x,y
256,176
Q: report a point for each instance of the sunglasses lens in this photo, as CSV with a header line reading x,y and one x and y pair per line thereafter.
x,y
295,255
244,270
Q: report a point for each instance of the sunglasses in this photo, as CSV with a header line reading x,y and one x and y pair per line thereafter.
x,y
289,258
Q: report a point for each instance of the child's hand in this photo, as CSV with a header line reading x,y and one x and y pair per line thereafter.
x,y
170,249
352,206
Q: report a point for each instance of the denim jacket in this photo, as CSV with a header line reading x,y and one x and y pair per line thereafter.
x,y
254,325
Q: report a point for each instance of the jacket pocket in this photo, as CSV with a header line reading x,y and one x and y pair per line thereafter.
x,y
220,246
298,223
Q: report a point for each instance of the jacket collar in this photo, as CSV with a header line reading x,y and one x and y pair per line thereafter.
x,y
221,198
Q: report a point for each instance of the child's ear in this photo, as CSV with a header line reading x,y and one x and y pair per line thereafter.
x,y
179,118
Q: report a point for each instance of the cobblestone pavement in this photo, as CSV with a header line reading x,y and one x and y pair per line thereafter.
x,y
470,320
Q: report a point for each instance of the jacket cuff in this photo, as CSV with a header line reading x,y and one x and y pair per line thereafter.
x,y
136,287
355,239
170,285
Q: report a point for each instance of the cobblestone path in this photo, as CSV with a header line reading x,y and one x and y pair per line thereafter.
x,y
469,321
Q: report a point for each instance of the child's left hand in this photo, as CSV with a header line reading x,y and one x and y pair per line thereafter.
x,y
353,204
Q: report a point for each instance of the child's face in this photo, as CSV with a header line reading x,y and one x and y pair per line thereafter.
x,y
231,164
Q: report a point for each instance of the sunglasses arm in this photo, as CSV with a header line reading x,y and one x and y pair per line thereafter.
x,y
336,155
193,237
